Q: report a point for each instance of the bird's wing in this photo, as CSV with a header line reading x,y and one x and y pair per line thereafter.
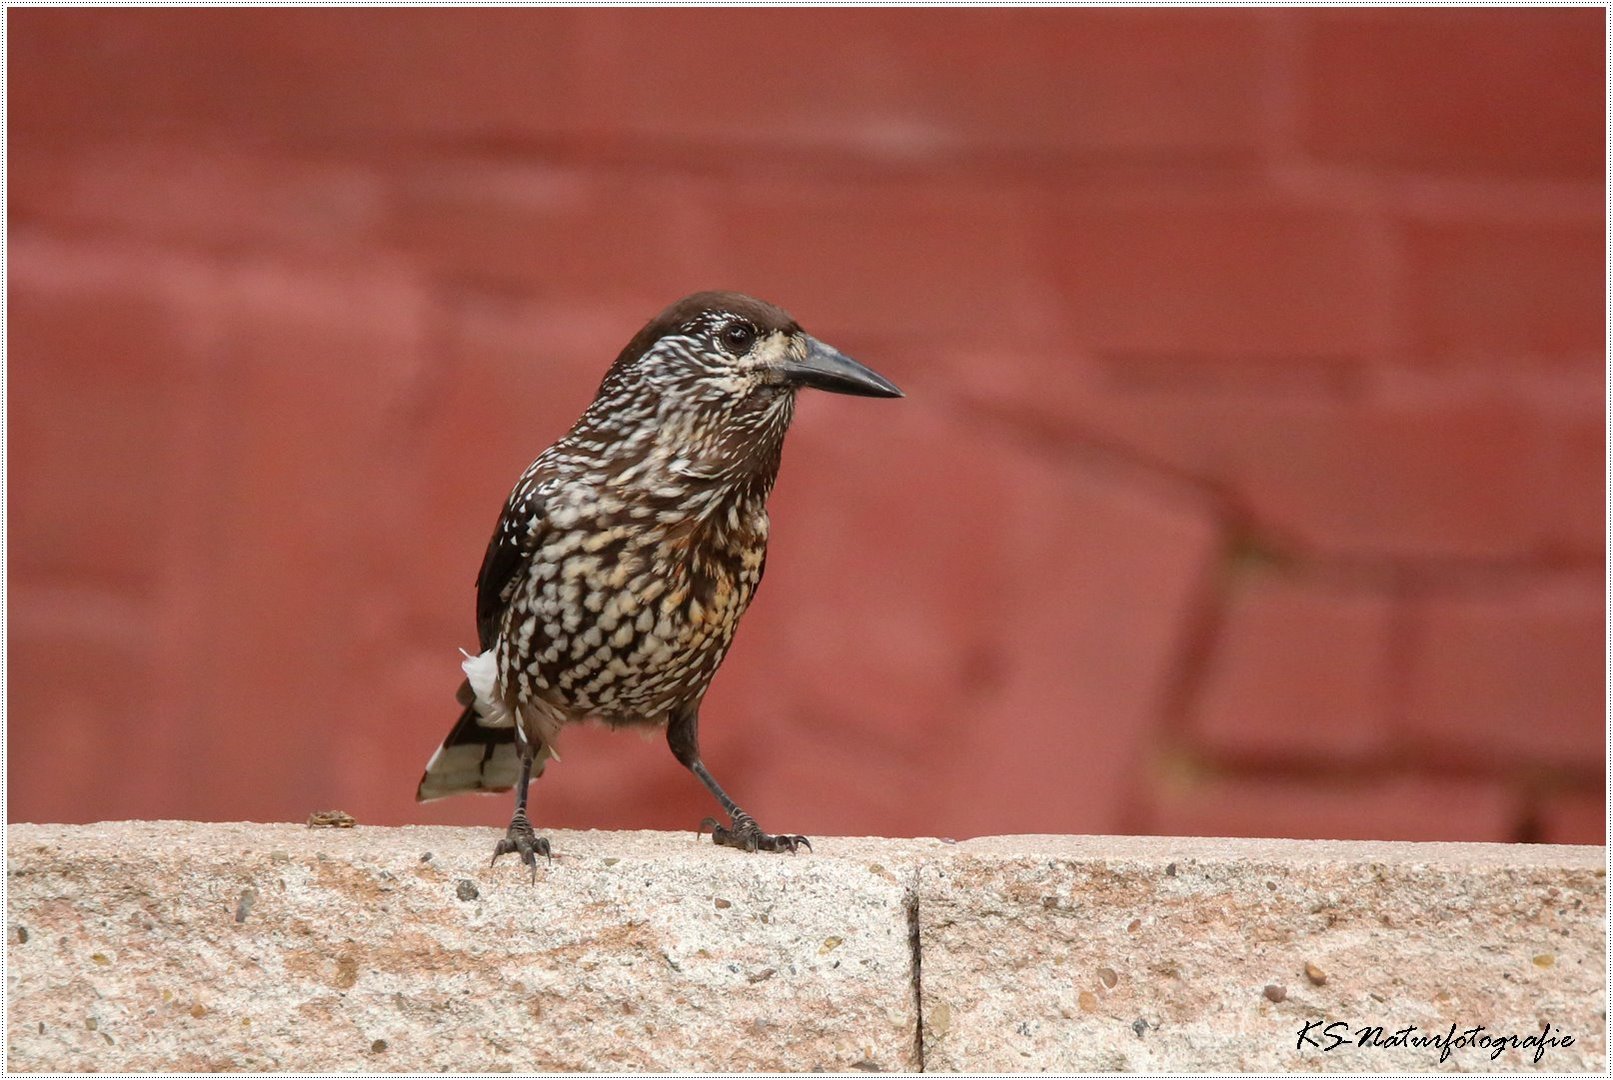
x,y
516,537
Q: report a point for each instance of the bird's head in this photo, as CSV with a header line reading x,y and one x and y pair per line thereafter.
x,y
719,371
726,347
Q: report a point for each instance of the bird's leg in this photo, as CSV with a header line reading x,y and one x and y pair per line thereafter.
x,y
520,837
741,831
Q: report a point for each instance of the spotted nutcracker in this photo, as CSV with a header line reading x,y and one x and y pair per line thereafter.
x,y
629,549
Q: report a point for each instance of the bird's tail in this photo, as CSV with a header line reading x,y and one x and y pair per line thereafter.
x,y
474,757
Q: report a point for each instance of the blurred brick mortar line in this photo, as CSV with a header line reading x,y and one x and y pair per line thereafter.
x,y
1532,794
1362,707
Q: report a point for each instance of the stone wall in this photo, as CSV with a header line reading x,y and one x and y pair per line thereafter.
x,y
171,945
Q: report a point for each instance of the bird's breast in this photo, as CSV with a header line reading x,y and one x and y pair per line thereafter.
x,y
629,618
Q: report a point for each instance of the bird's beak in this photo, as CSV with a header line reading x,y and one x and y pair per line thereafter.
x,y
826,368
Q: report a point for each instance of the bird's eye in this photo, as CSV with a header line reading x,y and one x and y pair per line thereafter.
x,y
738,336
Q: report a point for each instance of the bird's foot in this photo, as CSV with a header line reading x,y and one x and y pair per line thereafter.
x,y
521,840
742,832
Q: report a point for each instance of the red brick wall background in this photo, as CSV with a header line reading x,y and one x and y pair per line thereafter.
x,y
1250,479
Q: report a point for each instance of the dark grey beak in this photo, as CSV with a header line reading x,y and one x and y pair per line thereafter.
x,y
824,368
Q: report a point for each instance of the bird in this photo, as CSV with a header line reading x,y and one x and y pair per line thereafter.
x,y
627,552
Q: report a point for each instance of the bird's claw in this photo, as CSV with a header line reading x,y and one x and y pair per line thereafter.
x,y
522,841
743,833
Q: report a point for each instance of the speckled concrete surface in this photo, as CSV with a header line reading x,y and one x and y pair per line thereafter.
x,y
184,946
168,945
1153,953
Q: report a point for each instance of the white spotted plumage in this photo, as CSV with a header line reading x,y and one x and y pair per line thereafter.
x,y
628,551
